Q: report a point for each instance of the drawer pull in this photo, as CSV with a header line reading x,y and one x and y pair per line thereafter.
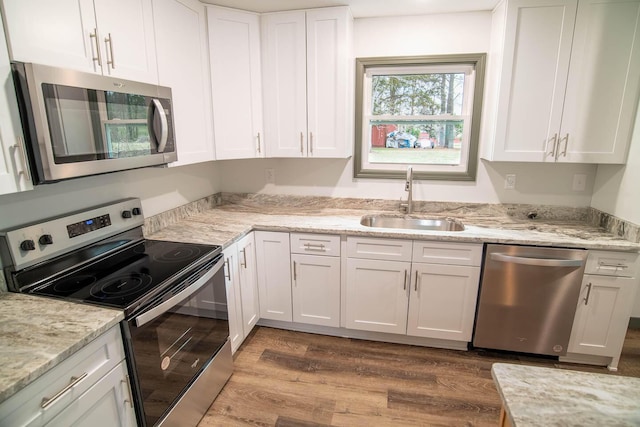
x,y
315,247
46,401
616,266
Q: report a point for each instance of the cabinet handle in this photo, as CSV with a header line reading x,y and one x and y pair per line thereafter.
x,y
311,142
46,401
295,274
405,280
586,299
244,258
566,144
109,43
555,143
98,56
301,143
226,263
416,284
23,159
315,247
128,384
259,143
615,266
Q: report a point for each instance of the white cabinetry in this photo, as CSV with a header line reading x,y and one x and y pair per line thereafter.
x,y
14,172
90,388
306,58
234,305
110,37
183,65
274,275
604,307
315,263
567,79
234,48
424,289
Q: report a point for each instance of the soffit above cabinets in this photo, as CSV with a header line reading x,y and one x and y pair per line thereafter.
x,y
363,8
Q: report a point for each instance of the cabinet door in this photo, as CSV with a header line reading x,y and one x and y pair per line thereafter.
x,y
316,289
602,315
377,295
285,84
128,47
603,82
274,275
234,307
537,48
234,49
14,172
328,96
248,282
183,65
443,301
107,403
56,33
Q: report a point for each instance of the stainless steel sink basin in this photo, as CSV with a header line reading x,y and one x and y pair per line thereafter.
x,y
412,223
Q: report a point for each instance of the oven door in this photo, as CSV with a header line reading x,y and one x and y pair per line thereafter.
x,y
171,341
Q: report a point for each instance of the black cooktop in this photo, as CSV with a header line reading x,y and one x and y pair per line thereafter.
x,y
126,276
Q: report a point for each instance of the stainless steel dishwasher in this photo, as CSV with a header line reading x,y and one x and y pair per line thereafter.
x,y
528,298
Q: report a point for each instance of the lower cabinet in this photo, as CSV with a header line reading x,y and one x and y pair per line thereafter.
x,y
90,388
316,289
405,296
274,275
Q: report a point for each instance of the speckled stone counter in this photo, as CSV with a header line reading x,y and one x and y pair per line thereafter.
x,y
37,333
534,396
552,226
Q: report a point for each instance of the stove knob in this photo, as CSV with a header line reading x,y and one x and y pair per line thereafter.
x,y
28,245
136,211
126,214
46,239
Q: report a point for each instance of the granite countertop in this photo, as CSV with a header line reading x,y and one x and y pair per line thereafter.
x,y
224,224
534,396
37,333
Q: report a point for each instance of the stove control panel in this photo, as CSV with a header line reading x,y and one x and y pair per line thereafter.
x,y
23,246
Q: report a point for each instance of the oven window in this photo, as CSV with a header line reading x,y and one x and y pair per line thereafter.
x,y
171,350
87,124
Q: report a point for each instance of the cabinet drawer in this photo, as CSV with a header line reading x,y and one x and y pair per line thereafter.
x,y
447,253
383,249
316,244
622,264
85,368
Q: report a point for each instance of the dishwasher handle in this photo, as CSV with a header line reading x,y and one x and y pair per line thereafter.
x,y
542,262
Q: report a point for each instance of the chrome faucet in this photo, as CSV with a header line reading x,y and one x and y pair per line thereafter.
x,y
408,187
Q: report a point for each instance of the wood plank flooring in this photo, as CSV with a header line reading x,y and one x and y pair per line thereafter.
x,y
293,379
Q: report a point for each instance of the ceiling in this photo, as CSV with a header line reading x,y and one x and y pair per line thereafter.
x,y
364,8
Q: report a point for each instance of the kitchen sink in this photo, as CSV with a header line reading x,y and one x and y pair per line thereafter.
x,y
438,224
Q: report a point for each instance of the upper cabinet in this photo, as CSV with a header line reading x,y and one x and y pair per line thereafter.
x,y
234,49
567,75
307,74
183,65
14,172
110,37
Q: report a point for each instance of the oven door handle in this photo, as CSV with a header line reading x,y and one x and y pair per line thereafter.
x,y
167,305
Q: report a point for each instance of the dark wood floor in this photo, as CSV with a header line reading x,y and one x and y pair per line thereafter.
x,y
285,379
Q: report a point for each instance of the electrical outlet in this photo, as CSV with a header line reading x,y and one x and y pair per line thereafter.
x,y
579,182
270,176
510,181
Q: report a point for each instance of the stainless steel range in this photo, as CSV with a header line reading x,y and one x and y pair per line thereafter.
x,y
176,332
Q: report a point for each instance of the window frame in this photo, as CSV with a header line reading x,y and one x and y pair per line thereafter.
x,y
466,172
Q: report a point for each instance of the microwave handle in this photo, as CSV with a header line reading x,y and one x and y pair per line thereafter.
x,y
167,305
164,128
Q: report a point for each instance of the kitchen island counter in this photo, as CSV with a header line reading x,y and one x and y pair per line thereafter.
x,y
534,396
37,333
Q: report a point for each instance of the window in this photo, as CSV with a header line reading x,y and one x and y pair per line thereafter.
x,y
419,111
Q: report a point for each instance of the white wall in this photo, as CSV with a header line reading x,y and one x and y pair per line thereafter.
x,y
158,188
414,35
617,188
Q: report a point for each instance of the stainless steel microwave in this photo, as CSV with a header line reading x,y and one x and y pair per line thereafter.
x,y
78,124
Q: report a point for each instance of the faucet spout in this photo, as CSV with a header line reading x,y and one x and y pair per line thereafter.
x,y
408,187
